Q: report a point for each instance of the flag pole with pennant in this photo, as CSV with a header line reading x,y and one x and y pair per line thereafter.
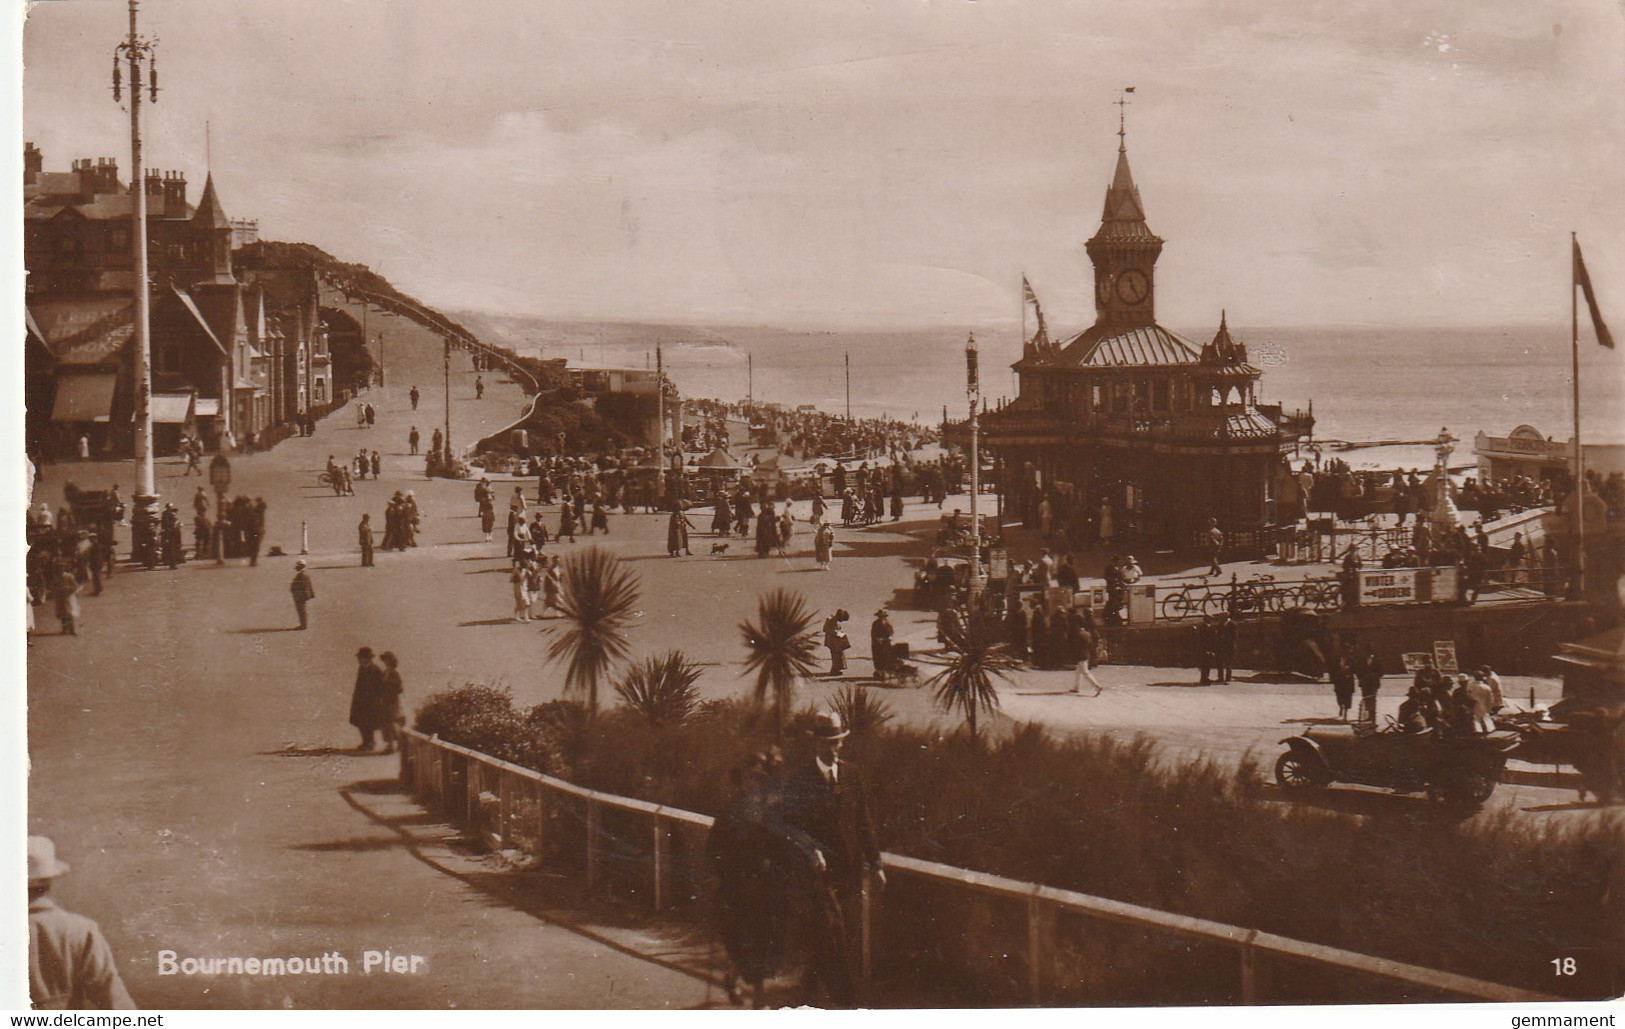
x,y
1581,281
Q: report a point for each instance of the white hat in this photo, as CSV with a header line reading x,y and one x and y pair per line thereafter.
x,y
43,863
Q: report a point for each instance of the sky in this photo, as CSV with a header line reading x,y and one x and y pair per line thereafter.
x,y
888,163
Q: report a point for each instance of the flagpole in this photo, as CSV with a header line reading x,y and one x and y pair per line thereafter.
x,y
1024,288
1579,449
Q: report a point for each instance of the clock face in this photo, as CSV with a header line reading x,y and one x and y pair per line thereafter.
x,y
1133,287
1103,286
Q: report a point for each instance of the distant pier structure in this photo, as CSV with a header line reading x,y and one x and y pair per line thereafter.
x,y
1146,432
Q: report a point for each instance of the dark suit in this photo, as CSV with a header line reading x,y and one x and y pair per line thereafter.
x,y
367,702
833,819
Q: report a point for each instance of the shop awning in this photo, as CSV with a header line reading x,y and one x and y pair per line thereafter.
x,y
83,398
171,408
208,407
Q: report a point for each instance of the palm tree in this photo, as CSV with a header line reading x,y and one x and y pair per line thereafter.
x,y
600,597
976,656
661,689
781,648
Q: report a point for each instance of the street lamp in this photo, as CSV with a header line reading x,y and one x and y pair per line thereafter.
x,y
973,389
137,51
448,401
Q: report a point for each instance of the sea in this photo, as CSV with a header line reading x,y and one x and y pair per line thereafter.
x,y
1365,384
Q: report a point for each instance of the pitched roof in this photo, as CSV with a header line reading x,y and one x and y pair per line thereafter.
x,y
1106,346
1227,351
209,212
191,306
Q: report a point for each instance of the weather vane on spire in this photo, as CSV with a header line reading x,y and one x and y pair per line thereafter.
x,y
1122,102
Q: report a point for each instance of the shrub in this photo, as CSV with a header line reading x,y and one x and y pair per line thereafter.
x,y
661,689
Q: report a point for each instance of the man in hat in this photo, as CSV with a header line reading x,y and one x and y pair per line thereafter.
x,y
70,964
827,813
303,590
367,699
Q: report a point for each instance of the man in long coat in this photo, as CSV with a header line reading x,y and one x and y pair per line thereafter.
x,y
367,698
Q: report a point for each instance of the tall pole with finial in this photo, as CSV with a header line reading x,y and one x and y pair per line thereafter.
x,y
137,53
973,391
849,386
1579,490
448,401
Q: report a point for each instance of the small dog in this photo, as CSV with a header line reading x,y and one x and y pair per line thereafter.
x,y
718,548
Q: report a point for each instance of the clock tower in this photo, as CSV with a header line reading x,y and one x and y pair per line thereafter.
x,y
1124,252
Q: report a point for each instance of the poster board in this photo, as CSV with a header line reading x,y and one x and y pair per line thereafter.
x,y
1444,656
1415,662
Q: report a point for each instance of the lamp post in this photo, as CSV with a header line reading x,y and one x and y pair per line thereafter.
x,y
136,52
220,479
380,359
448,400
978,581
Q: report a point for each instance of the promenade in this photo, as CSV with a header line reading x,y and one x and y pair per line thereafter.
x,y
192,758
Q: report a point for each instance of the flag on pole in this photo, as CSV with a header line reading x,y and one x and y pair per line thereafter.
x,y
1583,280
1041,337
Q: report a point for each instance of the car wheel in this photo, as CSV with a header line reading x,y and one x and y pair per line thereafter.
x,y
1295,772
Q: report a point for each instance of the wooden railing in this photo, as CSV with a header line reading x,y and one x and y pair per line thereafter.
x,y
659,852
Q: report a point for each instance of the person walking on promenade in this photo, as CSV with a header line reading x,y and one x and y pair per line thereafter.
x,y
360,416
836,642
377,464
390,715
70,965
677,528
255,532
488,518
600,516
364,535
722,518
479,388
1368,670
413,438
520,578
202,536
1206,645
65,595
1215,547
756,864
1342,672
567,520
194,450
826,807
787,528
880,645
552,587
371,416
824,545
414,396
819,506
366,698
169,537
200,502
84,448
304,591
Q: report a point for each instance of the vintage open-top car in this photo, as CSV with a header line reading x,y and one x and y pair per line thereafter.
x,y
1451,770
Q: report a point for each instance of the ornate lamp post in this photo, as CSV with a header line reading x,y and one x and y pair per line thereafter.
x,y
139,52
448,402
1444,514
973,390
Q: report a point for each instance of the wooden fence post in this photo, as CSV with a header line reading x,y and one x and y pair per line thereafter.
x,y
660,861
1040,945
504,804
592,844
1249,969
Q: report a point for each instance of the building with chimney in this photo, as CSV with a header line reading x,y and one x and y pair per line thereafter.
x,y
1140,430
211,373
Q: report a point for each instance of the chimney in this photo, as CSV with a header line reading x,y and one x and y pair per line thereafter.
x,y
33,163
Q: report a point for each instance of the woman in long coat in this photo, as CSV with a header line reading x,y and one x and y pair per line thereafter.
x,y
390,717
66,595
722,521
521,590
824,545
365,700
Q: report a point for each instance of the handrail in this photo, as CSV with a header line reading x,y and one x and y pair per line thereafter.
x,y
1042,901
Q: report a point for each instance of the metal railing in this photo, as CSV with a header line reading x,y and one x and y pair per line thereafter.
x,y
639,848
